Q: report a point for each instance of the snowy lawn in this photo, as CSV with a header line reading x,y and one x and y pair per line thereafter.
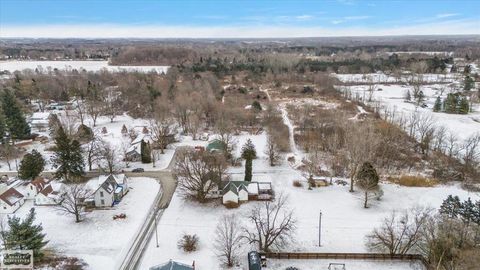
x,y
98,239
344,222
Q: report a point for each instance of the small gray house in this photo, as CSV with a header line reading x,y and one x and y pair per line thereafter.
x,y
173,265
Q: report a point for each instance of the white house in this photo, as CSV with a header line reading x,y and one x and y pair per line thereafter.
x,y
235,191
242,191
52,194
31,189
39,120
10,200
108,190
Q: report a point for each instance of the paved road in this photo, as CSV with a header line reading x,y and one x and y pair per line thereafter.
x,y
134,256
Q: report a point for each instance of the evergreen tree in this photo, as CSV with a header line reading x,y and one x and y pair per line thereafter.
x,y
67,157
3,127
24,235
367,179
451,207
438,105
14,118
31,165
450,104
145,152
464,106
467,211
408,96
256,106
468,83
249,154
476,217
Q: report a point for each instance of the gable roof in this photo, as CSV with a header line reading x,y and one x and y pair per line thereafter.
x,y
172,265
235,187
11,196
108,182
40,183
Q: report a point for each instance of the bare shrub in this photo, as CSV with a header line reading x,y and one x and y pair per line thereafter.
x,y
188,242
297,183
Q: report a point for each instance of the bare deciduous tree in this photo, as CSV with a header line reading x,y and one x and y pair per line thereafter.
x,y
107,157
198,173
73,200
273,224
399,233
272,151
228,237
92,150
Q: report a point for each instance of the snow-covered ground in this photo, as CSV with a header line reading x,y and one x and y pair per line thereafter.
x,y
98,239
344,220
392,96
381,77
45,66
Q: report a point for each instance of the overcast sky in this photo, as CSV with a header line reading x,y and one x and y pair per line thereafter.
x,y
235,18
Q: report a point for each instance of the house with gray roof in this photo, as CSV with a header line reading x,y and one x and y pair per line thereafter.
x,y
108,190
173,265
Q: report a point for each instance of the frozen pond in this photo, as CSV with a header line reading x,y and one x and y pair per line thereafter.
x,y
45,66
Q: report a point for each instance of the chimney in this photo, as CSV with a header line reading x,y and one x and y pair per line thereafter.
x,y
193,265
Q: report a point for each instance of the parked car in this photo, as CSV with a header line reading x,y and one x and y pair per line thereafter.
x,y
138,170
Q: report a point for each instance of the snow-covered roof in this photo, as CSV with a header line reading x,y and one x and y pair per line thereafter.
x,y
108,182
172,265
40,116
144,137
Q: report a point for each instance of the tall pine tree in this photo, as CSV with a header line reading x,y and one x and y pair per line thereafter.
x,y
145,152
451,206
249,154
438,105
24,235
14,118
67,158
31,165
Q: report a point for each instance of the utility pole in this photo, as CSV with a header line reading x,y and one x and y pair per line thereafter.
x,y
320,230
155,219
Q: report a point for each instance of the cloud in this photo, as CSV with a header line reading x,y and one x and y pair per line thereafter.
x,y
304,17
446,15
349,18
457,27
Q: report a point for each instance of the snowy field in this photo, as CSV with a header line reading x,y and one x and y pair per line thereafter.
x,y
98,239
94,66
344,220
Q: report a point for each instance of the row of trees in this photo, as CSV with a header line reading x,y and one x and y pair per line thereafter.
x,y
448,240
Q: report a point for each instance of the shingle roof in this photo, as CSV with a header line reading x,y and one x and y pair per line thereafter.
x,y
11,196
172,265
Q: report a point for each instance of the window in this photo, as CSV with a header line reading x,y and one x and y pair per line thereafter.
x,y
101,193
102,202
4,207
31,187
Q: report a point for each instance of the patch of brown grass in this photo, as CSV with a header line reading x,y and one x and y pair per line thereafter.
x,y
414,181
231,205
